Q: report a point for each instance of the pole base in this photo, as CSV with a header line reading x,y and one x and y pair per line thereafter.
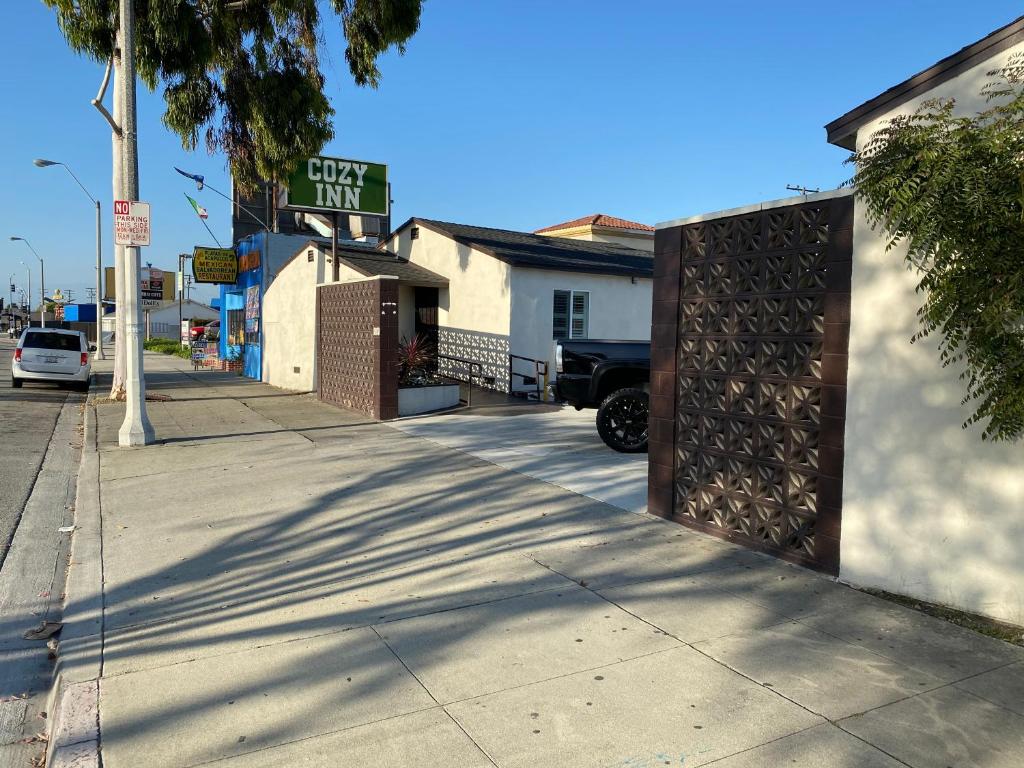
x,y
134,434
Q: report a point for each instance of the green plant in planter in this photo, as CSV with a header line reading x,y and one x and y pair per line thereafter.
x,y
416,359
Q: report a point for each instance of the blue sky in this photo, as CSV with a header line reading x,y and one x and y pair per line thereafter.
x,y
508,114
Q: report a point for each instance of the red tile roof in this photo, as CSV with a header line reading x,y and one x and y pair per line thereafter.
x,y
597,220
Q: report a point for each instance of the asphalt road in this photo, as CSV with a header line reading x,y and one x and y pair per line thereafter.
x,y
27,418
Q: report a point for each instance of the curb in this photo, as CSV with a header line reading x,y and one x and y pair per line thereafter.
x,y
73,704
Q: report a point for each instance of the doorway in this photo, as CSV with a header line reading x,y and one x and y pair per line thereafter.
x,y
426,315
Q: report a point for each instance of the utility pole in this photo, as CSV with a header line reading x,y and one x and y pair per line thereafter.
x,y
802,189
136,428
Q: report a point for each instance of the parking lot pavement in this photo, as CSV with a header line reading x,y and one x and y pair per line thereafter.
x,y
557,445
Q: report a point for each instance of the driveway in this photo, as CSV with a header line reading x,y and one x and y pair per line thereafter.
x,y
559,445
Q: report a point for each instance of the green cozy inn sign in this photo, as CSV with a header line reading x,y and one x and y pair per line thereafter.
x,y
335,184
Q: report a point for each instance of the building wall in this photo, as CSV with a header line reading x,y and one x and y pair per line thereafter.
x,y
289,320
619,309
474,311
358,346
478,285
929,509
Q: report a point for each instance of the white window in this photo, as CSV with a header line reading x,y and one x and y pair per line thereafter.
x,y
571,315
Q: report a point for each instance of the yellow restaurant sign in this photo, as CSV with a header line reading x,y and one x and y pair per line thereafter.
x,y
214,265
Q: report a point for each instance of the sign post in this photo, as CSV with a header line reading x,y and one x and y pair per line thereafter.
x,y
132,229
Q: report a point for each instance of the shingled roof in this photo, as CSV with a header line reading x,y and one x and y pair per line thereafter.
x,y
597,220
369,261
524,249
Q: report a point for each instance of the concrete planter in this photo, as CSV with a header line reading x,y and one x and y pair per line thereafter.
x,y
412,400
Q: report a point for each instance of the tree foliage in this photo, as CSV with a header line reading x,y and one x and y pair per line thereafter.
x,y
951,188
244,75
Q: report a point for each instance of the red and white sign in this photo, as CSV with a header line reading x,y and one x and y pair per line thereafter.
x,y
131,222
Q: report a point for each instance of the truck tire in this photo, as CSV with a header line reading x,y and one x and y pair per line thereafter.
x,y
16,383
622,420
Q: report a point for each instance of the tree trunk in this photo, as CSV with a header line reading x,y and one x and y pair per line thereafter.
x,y
117,389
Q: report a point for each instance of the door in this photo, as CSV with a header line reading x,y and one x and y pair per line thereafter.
x,y
426,314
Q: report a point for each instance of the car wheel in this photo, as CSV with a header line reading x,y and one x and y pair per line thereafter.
x,y
622,420
16,383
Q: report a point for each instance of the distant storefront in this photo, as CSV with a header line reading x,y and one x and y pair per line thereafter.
x,y
260,257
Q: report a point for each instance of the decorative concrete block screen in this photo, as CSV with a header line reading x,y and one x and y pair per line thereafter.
x,y
749,344
357,346
489,349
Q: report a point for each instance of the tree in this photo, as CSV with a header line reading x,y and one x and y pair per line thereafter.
x,y
951,188
244,76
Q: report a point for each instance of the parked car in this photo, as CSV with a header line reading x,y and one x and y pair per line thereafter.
x,y
614,377
212,332
196,332
52,354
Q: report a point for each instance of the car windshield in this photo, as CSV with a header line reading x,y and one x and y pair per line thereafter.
x,y
44,340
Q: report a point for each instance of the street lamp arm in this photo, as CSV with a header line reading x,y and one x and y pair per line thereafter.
x,y
95,202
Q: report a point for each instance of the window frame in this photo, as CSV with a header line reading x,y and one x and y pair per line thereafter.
x,y
570,314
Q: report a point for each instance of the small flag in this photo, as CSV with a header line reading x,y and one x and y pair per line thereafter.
x,y
198,179
199,209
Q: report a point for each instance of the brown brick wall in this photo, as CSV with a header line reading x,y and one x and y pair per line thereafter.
x,y
357,346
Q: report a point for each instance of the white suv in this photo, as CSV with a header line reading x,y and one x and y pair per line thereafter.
x,y
52,354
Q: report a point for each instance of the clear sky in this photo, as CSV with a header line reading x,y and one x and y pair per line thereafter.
x,y
504,113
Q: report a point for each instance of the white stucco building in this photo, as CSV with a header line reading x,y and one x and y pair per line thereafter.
x,y
929,508
514,293
289,304
162,321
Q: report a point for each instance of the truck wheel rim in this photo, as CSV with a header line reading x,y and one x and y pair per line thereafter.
x,y
628,421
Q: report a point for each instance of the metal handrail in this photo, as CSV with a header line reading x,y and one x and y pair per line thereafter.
x,y
469,378
540,372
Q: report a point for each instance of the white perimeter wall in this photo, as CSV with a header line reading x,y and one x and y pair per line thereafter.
x,y
477,297
619,309
289,321
929,509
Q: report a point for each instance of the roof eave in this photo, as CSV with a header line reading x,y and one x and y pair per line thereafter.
x,y
842,132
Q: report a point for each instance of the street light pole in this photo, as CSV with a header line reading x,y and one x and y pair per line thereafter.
x,y
42,285
136,428
28,274
99,253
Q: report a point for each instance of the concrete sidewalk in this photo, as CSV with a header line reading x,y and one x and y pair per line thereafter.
x,y
285,583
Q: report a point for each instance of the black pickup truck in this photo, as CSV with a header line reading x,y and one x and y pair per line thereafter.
x,y
614,377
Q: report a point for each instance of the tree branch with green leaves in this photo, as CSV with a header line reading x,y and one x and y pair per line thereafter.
x,y
950,188
244,76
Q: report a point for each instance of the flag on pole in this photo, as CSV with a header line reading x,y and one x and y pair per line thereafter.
x,y
199,209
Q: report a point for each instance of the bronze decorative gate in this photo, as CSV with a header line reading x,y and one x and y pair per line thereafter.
x,y
749,358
